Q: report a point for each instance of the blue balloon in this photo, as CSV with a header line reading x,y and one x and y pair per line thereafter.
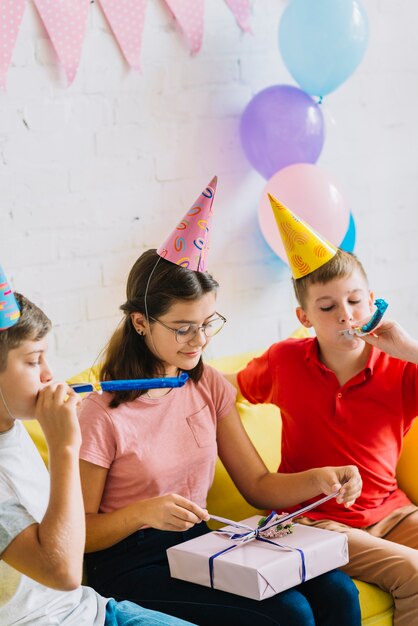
x,y
349,240
322,42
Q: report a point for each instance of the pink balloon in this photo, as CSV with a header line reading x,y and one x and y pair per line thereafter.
x,y
310,193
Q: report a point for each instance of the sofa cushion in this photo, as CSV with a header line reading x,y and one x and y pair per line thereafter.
x,y
376,605
407,470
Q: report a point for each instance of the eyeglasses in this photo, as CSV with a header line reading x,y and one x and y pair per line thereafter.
x,y
189,331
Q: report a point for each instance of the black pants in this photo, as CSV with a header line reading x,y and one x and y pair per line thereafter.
x,y
137,569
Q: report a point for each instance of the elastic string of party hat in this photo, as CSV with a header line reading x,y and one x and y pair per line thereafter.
x,y
6,405
145,301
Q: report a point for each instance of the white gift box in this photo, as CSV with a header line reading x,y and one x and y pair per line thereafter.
x,y
257,569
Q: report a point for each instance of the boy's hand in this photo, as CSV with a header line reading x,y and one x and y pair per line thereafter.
x,y
391,338
56,411
346,480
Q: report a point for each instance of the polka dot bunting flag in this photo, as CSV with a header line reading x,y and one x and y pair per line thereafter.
x,y
189,15
241,10
126,19
188,244
11,14
66,23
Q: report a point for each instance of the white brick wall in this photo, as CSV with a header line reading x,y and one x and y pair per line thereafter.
x,y
92,175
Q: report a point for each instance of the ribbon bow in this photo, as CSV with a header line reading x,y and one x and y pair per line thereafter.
x,y
252,534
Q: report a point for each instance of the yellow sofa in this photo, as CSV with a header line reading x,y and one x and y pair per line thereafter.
x,y
263,425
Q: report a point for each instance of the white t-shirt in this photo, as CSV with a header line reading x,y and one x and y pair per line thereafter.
x,y
24,495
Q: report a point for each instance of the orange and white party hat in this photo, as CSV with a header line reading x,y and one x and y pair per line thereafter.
x,y
188,244
9,309
306,250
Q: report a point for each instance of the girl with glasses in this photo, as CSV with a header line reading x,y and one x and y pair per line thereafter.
x,y
148,456
148,460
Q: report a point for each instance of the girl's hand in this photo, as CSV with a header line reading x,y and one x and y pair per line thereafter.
x,y
56,411
171,512
391,338
346,480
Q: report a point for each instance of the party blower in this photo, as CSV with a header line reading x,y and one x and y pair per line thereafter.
x,y
128,385
359,331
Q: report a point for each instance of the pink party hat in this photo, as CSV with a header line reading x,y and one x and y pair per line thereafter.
x,y
9,310
189,242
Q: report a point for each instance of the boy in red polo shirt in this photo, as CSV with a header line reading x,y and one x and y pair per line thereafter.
x,y
346,399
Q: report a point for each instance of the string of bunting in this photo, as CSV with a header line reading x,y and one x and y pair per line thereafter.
x,y
66,23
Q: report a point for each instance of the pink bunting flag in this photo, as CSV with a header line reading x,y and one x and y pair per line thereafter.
x,y
241,11
11,14
189,15
66,23
126,19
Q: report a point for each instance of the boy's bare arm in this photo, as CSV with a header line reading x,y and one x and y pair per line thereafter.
x,y
391,338
51,552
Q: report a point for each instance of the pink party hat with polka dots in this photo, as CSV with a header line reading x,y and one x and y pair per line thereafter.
x,y
9,310
188,244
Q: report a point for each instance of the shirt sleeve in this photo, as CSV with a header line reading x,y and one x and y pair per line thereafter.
x,y
222,392
256,380
98,434
14,517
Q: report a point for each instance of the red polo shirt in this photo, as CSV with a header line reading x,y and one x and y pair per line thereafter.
x,y
361,423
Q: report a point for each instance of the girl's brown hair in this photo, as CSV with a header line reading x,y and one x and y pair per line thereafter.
x,y
32,325
342,264
127,356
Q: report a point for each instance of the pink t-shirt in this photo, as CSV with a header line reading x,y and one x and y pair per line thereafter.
x,y
157,446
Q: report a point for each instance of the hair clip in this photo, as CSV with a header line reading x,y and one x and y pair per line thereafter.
x,y
128,385
359,331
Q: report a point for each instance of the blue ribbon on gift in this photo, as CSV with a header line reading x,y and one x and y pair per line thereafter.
x,y
250,535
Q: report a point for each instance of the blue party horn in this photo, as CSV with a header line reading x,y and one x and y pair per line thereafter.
x,y
359,331
381,306
129,385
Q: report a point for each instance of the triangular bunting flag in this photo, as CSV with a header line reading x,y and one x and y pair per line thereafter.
x,y
126,19
66,23
11,14
189,15
241,11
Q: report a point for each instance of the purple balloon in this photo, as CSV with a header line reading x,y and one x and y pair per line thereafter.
x,y
280,126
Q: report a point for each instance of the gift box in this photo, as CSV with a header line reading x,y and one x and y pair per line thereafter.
x,y
255,567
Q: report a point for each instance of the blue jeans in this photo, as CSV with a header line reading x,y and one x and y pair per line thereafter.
x,y
129,614
137,569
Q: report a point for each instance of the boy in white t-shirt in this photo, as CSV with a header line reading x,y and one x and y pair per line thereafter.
x,y
42,528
